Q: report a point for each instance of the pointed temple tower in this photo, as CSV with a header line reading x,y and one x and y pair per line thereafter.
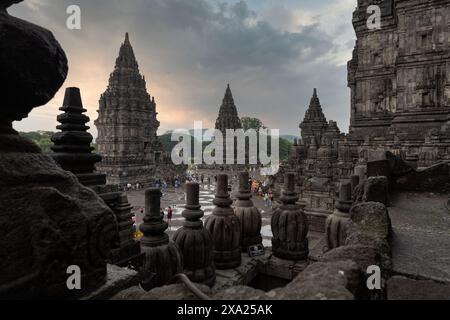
x,y
127,124
228,115
228,119
314,124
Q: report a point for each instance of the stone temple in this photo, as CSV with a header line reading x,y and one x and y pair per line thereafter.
x,y
127,124
379,193
228,115
399,78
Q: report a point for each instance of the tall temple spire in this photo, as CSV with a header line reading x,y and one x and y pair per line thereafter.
x,y
314,124
127,123
126,58
228,115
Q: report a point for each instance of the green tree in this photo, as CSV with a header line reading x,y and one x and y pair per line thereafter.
x,y
285,148
252,123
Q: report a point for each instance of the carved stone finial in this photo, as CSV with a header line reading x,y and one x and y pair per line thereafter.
x,y
72,149
158,249
194,241
249,216
290,225
225,228
336,224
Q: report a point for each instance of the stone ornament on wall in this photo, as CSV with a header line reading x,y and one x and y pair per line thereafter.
x,y
49,220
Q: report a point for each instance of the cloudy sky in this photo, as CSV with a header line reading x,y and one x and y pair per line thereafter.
x,y
272,52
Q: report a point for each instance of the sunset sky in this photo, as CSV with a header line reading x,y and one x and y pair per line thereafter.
x,y
272,52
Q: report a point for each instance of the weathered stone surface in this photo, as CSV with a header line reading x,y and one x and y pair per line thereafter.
x,y
378,168
33,66
132,293
175,292
241,293
397,166
376,189
434,179
323,281
117,280
402,288
49,222
370,226
363,256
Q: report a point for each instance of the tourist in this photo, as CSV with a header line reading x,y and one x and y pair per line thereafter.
x,y
266,200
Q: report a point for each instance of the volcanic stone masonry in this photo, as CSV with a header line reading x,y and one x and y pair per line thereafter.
x,y
163,259
49,220
194,241
399,79
127,124
225,228
248,214
72,149
289,225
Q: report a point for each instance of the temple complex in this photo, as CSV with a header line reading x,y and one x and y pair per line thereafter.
x,y
127,124
399,79
375,197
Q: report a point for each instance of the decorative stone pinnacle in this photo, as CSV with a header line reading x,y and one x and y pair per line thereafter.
x,y
288,195
222,197
345,197
72,146
244,187
154,226
192,212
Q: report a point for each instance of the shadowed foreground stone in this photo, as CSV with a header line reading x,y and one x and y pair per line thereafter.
x,y
376,189
49,221
401,288
33,65
171,292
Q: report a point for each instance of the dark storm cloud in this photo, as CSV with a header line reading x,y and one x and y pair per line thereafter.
x,y
189,51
